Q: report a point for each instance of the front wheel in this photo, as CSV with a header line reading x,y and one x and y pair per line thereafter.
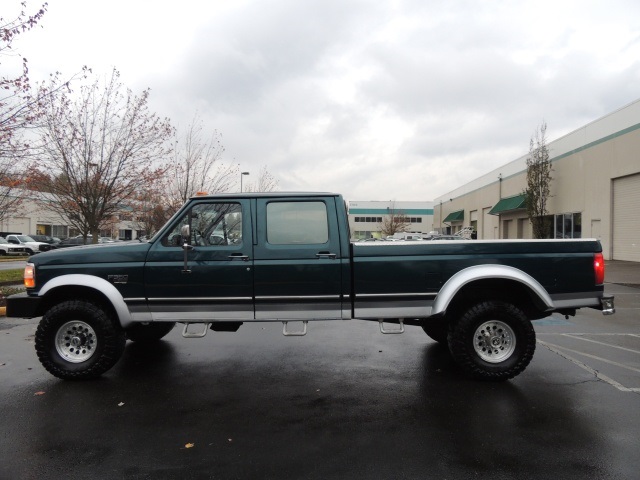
x,y
77,340
492,340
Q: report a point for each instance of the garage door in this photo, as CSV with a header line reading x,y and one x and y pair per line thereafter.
x,y
626,220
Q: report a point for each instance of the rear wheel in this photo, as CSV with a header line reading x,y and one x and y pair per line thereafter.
x,y
492,340
150,332
77,340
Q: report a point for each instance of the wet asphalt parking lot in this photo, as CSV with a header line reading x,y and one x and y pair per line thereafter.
x,y
344,402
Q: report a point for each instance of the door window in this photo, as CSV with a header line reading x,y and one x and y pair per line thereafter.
x,y
297,223
210,224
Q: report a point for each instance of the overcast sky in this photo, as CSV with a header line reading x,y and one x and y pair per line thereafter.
x,y
378,100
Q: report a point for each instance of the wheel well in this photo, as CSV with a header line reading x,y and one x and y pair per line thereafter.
x,y
505,290
76,292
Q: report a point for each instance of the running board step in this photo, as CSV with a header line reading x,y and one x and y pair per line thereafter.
x,y
394,331
299,333
187,334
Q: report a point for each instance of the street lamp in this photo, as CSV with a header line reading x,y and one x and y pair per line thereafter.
x,y
241,175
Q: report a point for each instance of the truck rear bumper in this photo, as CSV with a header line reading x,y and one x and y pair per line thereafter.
x,y
23,306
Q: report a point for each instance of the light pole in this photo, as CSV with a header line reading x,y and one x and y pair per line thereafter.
x,y
242,174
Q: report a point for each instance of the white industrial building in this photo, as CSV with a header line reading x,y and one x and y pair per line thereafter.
x,y
365,218
595,191
33,218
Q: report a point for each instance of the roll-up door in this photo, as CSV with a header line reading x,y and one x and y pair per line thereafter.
x,y
626,219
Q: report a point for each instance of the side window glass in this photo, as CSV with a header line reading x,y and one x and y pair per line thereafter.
x,y
297,223
210,224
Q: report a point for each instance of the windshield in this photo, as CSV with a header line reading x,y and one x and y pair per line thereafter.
x,y
25,238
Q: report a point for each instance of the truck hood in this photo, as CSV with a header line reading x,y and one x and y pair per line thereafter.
x,y
104,253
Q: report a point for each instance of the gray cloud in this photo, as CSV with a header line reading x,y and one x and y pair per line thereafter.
x,y
379,100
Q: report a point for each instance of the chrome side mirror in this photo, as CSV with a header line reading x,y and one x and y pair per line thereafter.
x,y
185,231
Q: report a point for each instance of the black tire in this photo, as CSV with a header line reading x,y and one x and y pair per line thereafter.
x,y
492,340
150,332
436,329
78,340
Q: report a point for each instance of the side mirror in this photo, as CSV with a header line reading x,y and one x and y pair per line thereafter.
x,y
185,231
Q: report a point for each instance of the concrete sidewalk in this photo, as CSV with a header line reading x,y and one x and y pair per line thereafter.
x,y
622,273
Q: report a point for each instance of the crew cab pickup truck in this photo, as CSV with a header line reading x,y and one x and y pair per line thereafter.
x,y
286,257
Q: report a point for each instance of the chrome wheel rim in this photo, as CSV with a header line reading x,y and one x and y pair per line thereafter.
x,y
494,341
76,341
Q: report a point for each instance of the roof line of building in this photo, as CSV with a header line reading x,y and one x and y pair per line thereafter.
x,y
518,166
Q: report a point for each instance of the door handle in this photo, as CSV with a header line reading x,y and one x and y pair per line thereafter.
x,y
239,256
329,255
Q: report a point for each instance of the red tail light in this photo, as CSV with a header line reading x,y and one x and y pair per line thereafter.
x,y
598,268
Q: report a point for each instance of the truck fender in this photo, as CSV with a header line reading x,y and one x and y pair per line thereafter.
x,y
96,283
487,272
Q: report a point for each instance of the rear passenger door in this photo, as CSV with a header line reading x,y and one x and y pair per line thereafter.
x,y
297,259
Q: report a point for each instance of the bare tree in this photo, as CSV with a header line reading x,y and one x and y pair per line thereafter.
x,y
98,150
538,181
266,182
394,222
150,210
197,166
16,110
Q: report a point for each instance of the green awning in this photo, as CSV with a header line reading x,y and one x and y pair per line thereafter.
x,y
510,204
457,216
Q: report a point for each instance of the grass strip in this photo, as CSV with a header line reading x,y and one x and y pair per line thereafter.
x,y
13,275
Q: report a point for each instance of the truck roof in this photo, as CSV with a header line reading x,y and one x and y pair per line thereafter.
x,y
266,195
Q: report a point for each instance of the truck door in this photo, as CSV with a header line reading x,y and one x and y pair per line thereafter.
x,y
212,279
298,262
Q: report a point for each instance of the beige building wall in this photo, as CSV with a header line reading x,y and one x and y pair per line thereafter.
x,y
586,163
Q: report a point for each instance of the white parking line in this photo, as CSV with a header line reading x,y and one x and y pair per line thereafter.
x,y
579,336
598,375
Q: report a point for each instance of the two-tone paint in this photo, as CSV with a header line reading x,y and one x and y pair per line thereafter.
x,y
336,280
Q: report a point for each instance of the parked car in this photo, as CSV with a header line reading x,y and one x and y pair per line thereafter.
x,y
53,241
7,248
71,242
28,243
100,239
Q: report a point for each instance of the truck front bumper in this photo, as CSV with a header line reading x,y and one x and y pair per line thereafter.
x,y
22,305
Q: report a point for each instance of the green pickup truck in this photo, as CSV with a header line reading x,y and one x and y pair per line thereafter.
x,y
286,257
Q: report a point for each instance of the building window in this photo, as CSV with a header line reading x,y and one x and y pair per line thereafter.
x,y
59,231
568,225
125,234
